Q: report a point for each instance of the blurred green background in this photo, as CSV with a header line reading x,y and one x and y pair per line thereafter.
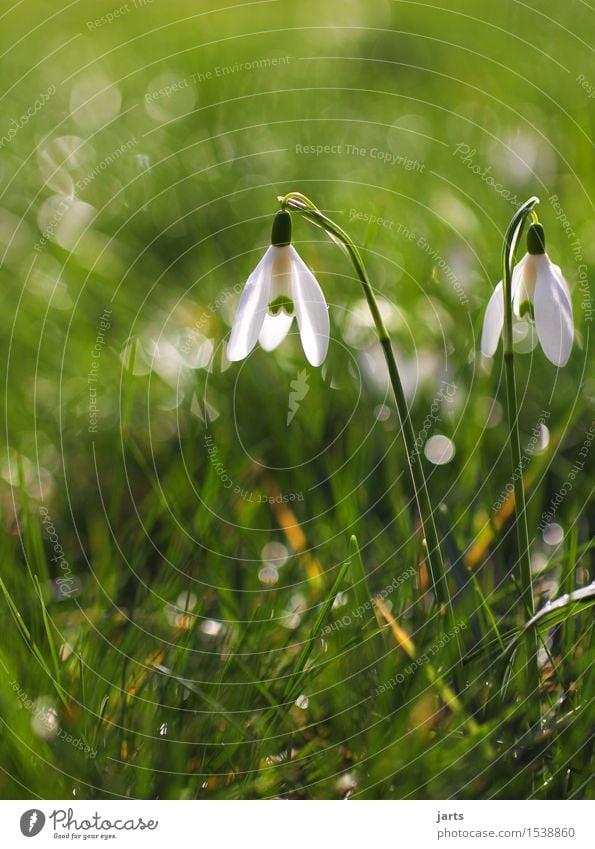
x,y
142,150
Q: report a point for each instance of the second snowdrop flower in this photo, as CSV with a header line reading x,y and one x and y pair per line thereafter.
x,y
280,288
539,292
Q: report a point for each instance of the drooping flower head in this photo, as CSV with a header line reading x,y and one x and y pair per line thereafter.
x,y
280,288
539,293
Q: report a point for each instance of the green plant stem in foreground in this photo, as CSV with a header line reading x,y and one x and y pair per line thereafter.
x,y
301,204
513,235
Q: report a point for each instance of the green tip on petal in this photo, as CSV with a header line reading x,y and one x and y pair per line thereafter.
x,y
526,309
536,239
282,303
281,233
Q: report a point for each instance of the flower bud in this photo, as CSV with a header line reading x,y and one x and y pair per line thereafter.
x,y
281,232
536,239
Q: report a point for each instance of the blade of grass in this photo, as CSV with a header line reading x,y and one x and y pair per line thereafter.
x,y
555,612
26,635
300,671
48,630
567,586
372,643
212,703
405,642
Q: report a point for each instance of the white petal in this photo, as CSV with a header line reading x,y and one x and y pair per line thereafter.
x,y
281,260
493,322
553,316
522,284
560,277
311,311
251,310
517,271
274,330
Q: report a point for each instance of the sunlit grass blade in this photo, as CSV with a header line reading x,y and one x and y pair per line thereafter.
x,y
299,669
48,631
554,612
404,641
26,635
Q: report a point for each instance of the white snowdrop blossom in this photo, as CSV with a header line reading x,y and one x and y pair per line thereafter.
x,y
280,288
540,293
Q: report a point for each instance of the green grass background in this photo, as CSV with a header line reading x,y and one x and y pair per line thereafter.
x,y
174,662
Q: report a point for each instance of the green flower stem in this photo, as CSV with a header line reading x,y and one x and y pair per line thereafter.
x,y
513,235
301,204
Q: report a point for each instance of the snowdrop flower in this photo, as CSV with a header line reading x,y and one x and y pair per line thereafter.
x,y
280,287
540,293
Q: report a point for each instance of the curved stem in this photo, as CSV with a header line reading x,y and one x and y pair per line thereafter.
x,y
513,235
300,203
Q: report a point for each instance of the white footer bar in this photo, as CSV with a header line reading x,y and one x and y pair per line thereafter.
x,y
299,825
